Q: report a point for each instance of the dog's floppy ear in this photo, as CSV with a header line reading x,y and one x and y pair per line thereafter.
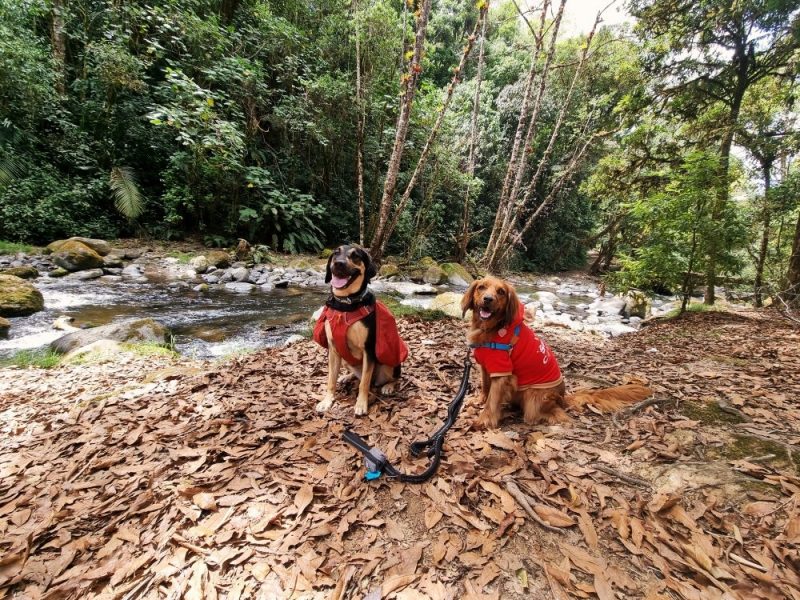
x,y
468,300
328,273
369,267
512,305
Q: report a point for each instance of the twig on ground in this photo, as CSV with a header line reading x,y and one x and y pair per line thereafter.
x,y
622,476
747,563
523,501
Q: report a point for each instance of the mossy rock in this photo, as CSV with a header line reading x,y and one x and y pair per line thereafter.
x,y
77,256
18,298
58,272
427,261
5,325
219,258
26,272
102,247
388,270
134,330
449,303
457,274
434,275
325,253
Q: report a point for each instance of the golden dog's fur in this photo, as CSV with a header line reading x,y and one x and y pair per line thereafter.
x,y
356,263
494,305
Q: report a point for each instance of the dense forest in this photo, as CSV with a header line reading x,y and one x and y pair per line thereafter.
x,y
453,129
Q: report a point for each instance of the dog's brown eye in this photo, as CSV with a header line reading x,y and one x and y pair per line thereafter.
x,y
501,292
481,287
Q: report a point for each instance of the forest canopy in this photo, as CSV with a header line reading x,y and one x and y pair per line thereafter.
x,y
485,133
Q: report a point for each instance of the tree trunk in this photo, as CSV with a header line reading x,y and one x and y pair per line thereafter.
x,y
463,240
360,125
792,293
742,63
766,167
379,246
410,81
59,42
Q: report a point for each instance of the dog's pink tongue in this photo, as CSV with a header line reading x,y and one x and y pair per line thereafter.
x,y
485,314
339,282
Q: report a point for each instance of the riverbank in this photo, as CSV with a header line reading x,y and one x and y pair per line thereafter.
x,y
157,476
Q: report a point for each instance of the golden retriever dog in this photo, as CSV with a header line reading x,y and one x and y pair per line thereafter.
x,y
357,329
519,369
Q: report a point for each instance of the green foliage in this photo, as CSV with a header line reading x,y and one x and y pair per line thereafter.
x,y
39,359
127,198
677,230
14,247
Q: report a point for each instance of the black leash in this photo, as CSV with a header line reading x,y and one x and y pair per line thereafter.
x,y
376,462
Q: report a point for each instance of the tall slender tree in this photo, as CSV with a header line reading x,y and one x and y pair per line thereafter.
x,y
709,53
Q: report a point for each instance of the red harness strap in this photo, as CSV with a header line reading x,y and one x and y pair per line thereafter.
x,y
340,322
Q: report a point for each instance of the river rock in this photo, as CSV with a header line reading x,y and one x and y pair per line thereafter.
x,y
546,297
405,288
615,329
388,270
199,263
23,272
449,303
111,279
101,247
130,253
18,298
267,287
282,284
203,287
133,272
212,279
112,261
293,339
100,348
434,275
73,255
607,306
116,271
636,304
58,272
240,274
456,274
86,275
219,258
240,287
5,325
132,330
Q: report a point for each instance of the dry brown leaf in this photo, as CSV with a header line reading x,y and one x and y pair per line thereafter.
x,y
398,582
205,501
553,516
260,571
303,498
432,517
587,529
758,509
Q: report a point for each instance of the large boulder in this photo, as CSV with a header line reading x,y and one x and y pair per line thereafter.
x,y
199,263
637,304
26,272
388,270
449,303
5,325
73,255
219,259
434,275
102,247
457,275
133,330
18,298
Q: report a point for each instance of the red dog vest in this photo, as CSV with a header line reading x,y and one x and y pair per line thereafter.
x,y
529,358
390,349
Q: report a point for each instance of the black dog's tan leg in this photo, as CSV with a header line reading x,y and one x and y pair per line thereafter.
x,y
362,402
334,365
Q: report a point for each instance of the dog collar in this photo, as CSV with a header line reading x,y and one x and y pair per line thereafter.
x,y
349,303
497,345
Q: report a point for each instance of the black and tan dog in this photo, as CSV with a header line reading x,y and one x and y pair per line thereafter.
x,y
358,329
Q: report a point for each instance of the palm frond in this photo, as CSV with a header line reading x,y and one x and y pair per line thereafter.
x,y
127,197
11,169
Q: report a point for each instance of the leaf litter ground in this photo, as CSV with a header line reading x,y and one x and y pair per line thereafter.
x,y
162,478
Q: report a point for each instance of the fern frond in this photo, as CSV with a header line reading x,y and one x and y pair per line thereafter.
x,y
127,197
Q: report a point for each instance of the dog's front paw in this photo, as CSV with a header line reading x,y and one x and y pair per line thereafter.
x,y
389,388
346,378
362,406
324,404
484,421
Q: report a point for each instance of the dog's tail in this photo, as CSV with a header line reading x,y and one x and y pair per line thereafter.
x,y
609,399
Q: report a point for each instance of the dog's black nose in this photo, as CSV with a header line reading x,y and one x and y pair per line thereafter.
x,y
488,299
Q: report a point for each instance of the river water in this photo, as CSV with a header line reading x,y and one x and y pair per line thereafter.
x,y
205,324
